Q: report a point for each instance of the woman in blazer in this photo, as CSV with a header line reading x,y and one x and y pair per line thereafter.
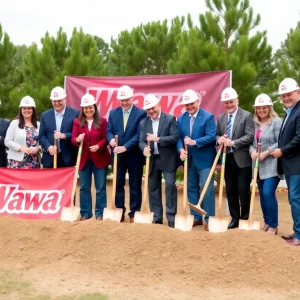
x,y
95,157
22,138
267,127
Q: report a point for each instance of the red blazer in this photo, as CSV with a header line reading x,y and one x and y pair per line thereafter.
x,y
101,158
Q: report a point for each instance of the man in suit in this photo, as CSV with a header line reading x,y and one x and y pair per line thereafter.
x,y
57,123
288,152
161,130
124,121
197,129
235,129
3,128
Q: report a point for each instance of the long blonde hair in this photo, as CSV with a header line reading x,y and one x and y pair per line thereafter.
x,y
272,114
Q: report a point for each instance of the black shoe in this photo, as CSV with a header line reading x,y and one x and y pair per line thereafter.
x,y
233,224
157,222
171,224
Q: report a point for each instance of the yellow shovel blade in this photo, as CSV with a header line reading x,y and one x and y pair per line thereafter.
x,y
184,222
70,214
217,224
197,209
249,225
114,214
143,217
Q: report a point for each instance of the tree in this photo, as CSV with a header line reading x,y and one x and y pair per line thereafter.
x,y
58,57
7,54
223,42
147,48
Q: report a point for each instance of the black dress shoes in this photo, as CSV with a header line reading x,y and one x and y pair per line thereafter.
x,y
157,222
288,237
171,224
233,224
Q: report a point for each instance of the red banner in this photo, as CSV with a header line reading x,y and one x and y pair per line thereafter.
x,y
168,88
35,194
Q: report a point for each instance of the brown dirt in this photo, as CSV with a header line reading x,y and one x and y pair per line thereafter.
x,y
135,261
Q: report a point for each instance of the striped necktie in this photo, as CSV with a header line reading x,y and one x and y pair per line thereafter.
x,y
192,120
228,128
125,118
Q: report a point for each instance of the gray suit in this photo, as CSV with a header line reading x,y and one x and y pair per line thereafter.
x,y
238,170
166,162
269,141
242,135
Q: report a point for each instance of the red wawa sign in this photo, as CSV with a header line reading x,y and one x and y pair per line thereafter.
x,y
35,194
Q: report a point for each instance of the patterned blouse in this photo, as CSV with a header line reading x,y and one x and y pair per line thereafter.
x,y
29,161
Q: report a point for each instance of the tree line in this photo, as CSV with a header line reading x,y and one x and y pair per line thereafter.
x,y
224,38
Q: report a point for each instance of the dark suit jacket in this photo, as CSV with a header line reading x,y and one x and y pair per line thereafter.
x,y
289,144
128,138
3,128
96,136
204,133
168,134
242,135
46,136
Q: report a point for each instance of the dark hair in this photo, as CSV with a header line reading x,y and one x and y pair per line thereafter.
x,y
22,121
96,121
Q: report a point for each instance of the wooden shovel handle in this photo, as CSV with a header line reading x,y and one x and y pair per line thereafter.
x,y
222,182
185,175
55,155
255,174
115,167
212,170
76,173
146,180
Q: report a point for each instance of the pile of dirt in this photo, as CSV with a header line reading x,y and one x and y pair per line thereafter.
x,y
136,261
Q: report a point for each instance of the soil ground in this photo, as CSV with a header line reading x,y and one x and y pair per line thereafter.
x,y
50,259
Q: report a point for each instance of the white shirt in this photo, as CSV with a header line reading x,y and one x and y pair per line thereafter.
x,y
155,124
89,122
232,121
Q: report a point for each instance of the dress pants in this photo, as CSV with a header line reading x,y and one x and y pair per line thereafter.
x,y
155,191
238,182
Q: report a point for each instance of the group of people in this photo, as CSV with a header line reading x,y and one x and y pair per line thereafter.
x,y
194,135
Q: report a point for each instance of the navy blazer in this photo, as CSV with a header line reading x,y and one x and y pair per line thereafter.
x,y
3,128
128,138
168,134
289,143
204,133
46,136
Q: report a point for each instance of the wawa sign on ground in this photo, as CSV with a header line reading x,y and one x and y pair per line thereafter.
x,y
35,194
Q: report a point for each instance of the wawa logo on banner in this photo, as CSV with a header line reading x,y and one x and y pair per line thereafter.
x,y
36,193
107,100
16,201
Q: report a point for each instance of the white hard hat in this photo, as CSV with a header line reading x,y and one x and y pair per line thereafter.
x,y
58,93
87,100
229,94
263,100
189,96
27,101
150,101
124,92
288,85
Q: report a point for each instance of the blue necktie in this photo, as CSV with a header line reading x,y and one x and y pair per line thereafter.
x,y
228,130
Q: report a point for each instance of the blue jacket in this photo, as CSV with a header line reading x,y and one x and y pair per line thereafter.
x,y
204,133
46,136
128,138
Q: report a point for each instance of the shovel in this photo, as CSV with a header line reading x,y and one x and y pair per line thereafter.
x,y
113,213
143,216
218,223
55,155
250,224
184,221
197,208
72,213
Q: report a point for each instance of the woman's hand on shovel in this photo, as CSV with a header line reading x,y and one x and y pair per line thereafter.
x,y
147,151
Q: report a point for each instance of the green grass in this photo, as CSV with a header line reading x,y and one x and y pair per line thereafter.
x,y
12,286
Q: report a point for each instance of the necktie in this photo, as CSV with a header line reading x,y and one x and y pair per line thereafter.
x,y
125,118
228,128
192,120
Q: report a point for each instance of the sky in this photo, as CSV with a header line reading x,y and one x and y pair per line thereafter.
x,y
27,21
